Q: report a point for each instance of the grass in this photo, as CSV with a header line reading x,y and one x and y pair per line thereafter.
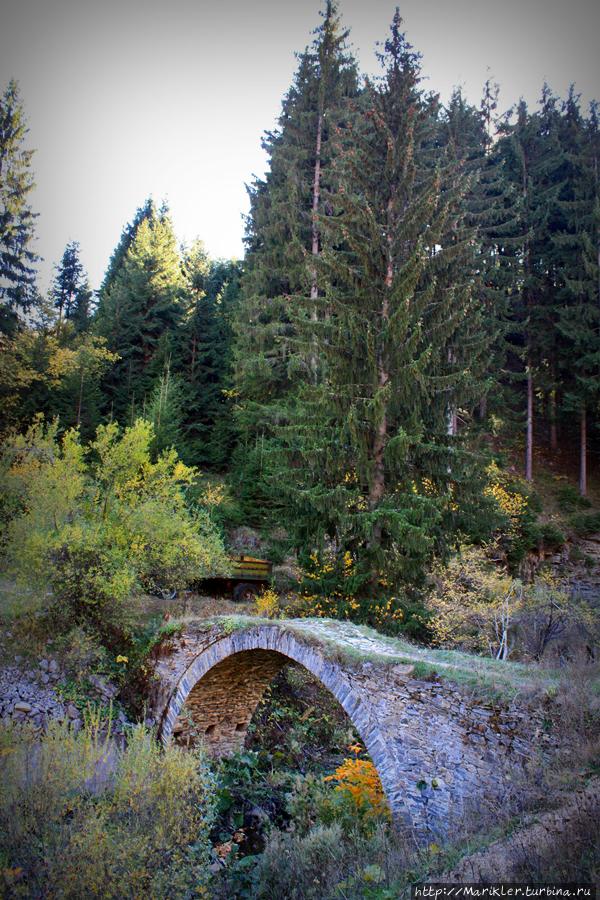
x,y
356,645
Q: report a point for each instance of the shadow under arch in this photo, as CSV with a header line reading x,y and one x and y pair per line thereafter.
x,y
224,683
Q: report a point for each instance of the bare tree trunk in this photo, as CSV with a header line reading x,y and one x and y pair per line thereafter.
x,y
583,452
529,447
553,428
483,408
314,285
377,488
80,401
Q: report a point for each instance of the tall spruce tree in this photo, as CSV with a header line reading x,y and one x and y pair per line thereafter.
x,y
203,356
284,239
492,207
17,258
535,164
139,314
70,288
165,409
577,295
83,308
144,212
368,458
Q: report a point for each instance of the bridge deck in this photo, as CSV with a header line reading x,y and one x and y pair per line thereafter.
x,y
359,643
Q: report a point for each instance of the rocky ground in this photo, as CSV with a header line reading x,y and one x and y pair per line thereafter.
x,y
544,848
32,695
584,581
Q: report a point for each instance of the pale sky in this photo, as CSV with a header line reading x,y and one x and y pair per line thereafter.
x,y
131,98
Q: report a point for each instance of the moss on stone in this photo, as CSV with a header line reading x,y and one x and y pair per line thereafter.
x,y
354,645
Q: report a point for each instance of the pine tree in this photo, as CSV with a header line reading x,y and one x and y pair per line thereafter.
x,y
165,410
17,258
576,245
143,213
492,208
369,461
139,315
76,367
203,356
70,288
83,307
535,163
283,235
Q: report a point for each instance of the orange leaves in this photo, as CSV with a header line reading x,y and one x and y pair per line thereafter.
x,y
358,781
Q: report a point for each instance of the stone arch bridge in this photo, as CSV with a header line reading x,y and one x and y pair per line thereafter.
x,y
440,752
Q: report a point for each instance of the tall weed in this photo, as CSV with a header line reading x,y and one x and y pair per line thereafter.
x,y
80,817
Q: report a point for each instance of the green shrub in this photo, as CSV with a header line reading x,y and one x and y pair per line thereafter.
x,y
328,862
80,653
80,818
551,535
585,523
570,500
334,586
98,524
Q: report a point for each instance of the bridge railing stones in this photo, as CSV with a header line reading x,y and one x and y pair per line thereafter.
x,y
438,751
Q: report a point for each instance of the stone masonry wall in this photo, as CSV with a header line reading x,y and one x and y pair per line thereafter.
x,y
220,706
439,752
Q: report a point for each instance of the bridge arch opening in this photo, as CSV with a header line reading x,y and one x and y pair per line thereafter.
x,y
217,696
221,704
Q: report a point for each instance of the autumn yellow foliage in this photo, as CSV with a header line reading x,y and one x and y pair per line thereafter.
x,y
267,604
358,781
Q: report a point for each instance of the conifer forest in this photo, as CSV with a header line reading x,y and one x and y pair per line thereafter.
x,y
392,401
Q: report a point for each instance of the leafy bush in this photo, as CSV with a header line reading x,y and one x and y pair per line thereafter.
x,y
328,861
359,785
299,725
585,523
80,818
478,608
80,653
519,532
267,604
548,616
551,535
570,500
334,587
98,524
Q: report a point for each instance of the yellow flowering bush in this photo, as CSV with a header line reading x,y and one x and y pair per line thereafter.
x,y
512,504
360,786
267,604
519,532
335,588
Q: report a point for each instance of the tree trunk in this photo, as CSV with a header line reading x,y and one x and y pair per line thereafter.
x,y
583,452
80,399
377,488
193,359
314,285
553,428
483,408
529,438
529,447
451,413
